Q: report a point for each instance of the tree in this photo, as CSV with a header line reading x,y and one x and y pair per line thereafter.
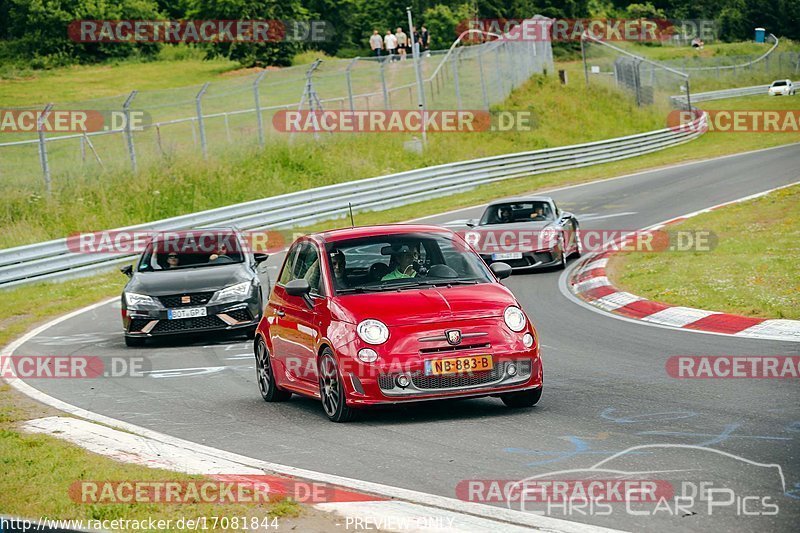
x,y
442,22
251,54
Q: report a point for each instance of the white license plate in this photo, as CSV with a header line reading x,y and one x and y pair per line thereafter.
x,y
191,312
507,255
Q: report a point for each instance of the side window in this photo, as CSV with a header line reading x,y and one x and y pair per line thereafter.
x,y
288,267
307,266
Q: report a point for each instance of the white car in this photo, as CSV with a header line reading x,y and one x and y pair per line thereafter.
x,y
782,88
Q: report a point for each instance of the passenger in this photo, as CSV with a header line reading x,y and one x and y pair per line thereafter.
x,y
172,261
403,259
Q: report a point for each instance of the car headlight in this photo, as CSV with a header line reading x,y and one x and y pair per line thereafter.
x,y
514,318
141,301
240,291
550,237
373,331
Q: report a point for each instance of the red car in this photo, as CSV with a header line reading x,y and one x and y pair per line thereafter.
x,y
393,314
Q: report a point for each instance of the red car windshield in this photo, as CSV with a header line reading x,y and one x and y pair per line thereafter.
x,y
408,260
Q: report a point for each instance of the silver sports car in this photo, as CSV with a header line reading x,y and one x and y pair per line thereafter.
x,y
526,233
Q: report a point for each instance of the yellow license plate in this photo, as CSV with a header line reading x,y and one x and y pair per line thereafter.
x,y
472,363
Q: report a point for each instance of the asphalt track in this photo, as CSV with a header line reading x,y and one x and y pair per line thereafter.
x,y
606,388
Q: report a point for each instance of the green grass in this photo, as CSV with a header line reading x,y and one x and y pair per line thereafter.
x,y
754,270
78,83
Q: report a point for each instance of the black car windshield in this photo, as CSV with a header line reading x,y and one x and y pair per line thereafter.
x,y
186,252
779,83
513,212
402,261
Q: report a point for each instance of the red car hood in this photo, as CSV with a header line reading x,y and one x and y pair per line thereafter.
x,y
412,306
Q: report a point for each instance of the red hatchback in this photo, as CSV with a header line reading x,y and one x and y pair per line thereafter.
x,y
393,314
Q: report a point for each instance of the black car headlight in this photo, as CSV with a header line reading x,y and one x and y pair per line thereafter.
x,y
143,302
233,293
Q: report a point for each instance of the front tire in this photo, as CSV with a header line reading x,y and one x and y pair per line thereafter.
x,y
331,389
525,398
265,377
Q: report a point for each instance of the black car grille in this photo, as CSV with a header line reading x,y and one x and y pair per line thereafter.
x,y
175,300
452,381
241,315
455,348
184,324
137,324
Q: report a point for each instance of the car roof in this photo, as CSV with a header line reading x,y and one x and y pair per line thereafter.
x,y
522,200
371,231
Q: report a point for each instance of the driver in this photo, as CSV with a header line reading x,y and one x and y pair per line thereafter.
x,y
505,214
339,265
403,258
221,255
538,214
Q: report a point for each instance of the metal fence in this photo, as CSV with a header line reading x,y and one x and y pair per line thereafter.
x,y
210,118
53,260
656,82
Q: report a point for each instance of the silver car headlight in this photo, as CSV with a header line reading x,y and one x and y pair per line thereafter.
x,y
373,331
234,293
514,318
141,301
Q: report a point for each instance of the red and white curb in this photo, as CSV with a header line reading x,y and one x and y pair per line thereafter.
x,y
589,282
383,507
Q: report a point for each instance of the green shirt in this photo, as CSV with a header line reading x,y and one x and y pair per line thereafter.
x,y
396,274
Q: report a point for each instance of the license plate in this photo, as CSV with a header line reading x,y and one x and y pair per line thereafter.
x,y
191,312
507,255
473,363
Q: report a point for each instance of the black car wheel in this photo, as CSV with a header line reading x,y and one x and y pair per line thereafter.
x,y
526,398
134,341
331,391
266,379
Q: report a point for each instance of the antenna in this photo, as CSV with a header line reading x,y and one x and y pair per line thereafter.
x,y
352,222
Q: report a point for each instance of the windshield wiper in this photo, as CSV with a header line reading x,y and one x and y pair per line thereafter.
x,y
441,282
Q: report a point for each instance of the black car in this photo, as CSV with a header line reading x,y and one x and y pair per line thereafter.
x,y
192,282
526,233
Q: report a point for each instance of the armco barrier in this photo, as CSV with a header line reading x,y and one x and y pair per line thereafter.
x,y
53,261
680,100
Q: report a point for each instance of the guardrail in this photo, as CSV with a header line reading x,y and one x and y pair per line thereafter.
x,y
53,260
680,100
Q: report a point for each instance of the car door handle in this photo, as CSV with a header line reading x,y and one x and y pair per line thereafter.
x,y
280,312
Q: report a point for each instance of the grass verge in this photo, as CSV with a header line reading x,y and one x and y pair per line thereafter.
x,y
754,270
